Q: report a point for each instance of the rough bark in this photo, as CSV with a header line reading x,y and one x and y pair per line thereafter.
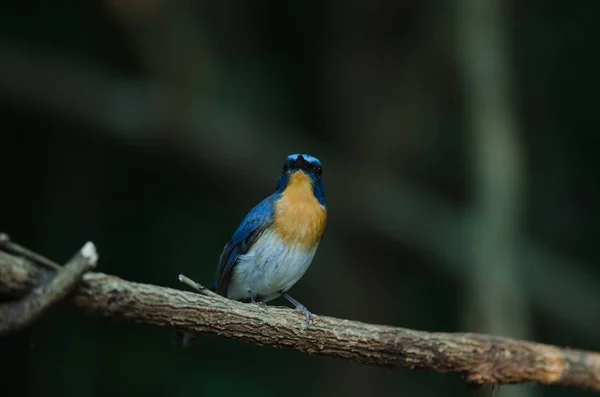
x,y
481,359
18,314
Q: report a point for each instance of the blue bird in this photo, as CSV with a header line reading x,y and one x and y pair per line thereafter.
x,y
276,242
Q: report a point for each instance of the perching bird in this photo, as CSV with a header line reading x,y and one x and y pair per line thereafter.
x,y
276,242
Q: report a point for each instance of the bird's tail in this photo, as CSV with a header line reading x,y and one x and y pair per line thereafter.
x,y
185,339
213,287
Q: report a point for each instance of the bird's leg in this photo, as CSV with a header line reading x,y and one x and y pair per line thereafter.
x,y
254,301
299,307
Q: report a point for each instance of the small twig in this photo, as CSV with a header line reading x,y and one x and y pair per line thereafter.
x,y
185,339
16,315
200,288
494,388
19,276
7,245
4,238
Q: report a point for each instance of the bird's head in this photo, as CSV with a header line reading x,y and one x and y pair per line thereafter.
x,y
308,165
303,162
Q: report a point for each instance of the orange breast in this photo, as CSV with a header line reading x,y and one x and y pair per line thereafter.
x,y
299,218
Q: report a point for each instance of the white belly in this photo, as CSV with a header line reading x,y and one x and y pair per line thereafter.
x,y
267,268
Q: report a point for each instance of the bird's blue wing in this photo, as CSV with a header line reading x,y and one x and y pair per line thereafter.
x,y
254,224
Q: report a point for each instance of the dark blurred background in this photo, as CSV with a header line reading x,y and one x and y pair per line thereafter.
x,y
460,151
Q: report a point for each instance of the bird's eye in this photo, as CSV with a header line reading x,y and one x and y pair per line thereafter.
x,y
319,171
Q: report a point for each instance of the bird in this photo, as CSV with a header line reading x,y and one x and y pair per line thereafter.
x,y
277,240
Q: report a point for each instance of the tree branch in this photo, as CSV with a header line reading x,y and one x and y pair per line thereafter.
x,y
17,315
480,359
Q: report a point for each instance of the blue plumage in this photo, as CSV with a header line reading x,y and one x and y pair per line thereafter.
x,y
258,219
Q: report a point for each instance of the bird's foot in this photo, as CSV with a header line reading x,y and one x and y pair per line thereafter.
x,y
299,307
260,304
255,302
306,312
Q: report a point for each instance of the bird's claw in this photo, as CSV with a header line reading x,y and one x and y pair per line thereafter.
x,y
255,302
263,305
305,311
